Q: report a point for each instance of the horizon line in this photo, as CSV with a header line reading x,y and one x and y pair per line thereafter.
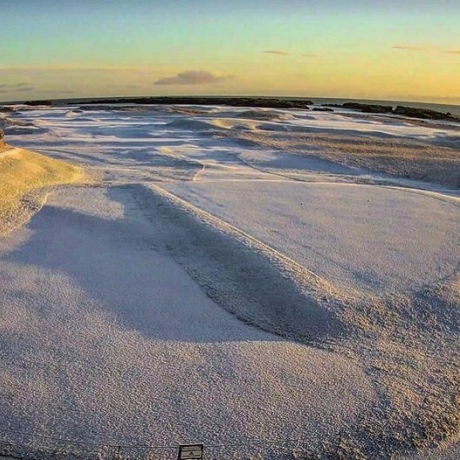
x,y
54,99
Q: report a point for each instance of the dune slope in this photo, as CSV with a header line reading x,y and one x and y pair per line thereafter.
x,y
23,174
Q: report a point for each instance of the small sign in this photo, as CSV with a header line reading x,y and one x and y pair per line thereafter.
x,y
191,452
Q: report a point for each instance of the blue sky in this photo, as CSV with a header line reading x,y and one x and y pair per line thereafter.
x,y
354,48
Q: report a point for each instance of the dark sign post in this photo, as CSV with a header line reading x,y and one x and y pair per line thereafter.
x,y
191,452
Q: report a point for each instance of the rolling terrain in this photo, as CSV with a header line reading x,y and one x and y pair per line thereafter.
x,y
237,277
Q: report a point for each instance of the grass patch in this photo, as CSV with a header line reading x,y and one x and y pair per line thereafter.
x,y
24,177
398,157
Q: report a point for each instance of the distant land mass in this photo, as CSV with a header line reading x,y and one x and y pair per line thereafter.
x,y
265,102
415,110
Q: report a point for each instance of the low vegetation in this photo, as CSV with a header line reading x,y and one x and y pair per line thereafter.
x,y
25,177
400,158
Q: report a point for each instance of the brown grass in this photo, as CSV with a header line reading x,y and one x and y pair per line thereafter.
x,y
24,176
397,157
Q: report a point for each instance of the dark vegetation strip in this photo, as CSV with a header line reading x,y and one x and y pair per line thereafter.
x,y
264,102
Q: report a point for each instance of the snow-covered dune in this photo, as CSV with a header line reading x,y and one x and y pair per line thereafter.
x,y
257,297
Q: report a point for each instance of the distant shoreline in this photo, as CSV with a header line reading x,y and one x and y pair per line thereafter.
x,y
410,109
315,99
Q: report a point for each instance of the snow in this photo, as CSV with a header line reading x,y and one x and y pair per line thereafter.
x,y
104,339
356,236
167,303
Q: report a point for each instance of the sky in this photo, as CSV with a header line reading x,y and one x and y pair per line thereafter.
x,y
358,49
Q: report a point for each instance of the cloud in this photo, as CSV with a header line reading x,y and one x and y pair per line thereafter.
x,y
412,48
426,49
192,77
15,88
23,89
13,85
278,52
56,91
285,53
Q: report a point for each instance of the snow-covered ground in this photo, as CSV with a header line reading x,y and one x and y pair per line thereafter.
x,y
208,291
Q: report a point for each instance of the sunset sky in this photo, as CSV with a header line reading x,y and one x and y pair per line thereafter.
x,y
367,49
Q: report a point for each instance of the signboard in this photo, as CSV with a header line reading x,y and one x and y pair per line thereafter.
x,y
191,452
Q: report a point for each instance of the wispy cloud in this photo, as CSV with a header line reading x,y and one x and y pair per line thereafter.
x,y
192,77
27,70
412,48
278,52
285,53
426,49
13,85
15,88
57,91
